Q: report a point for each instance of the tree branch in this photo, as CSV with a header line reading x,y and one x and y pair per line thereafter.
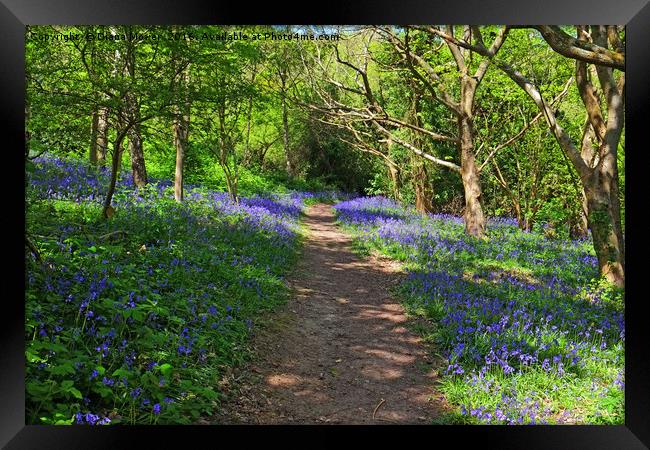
x,y
582,50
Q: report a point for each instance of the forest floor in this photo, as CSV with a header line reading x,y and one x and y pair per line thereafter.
x,y
342,351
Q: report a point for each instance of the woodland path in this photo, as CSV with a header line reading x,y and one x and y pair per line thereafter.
x,y
339,347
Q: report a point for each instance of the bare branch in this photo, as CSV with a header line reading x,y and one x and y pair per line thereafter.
x,y
417,151
405,50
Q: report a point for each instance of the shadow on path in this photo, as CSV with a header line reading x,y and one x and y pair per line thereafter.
x,y
339,348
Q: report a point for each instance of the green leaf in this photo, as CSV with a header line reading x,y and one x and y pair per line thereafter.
x,y
103,391
165,369
121,373
62,369
64,422
37,389
31,357
75,392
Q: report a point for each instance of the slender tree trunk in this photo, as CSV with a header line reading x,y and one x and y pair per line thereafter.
x,y
583,224
474,217
115,169
181,137
102,134
423,192
521,220
138,168
180,142
285,138
285,128
93,137
225,149
249,115
136,153
396,181
587,151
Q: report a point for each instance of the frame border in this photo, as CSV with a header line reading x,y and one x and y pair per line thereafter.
x,y
15,14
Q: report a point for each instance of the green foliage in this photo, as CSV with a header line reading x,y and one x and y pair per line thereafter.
x,y
153,316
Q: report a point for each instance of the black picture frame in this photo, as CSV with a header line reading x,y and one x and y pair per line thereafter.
x,y
15,14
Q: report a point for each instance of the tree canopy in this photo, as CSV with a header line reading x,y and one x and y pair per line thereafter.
x,y
474,120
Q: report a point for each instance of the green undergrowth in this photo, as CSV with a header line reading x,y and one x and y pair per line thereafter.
x,y
135,320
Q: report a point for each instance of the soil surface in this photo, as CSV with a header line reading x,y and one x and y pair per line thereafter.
x,y
341,351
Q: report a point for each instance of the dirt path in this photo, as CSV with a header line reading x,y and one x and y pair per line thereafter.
x,y
338,349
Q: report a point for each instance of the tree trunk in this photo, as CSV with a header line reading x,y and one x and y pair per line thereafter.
x,y
181,137
226,148
249,117
138,168
607,235
93,137
521,219
115,169
582,228
422,187
102,134
423,191
601,190
395,180
603,206
285,138
180,142
474,217
247,149
285,130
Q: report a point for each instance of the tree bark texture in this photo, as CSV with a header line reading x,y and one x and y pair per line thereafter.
x,y
93,137
474,217
181,135
102,134
423,191
115,169
138,168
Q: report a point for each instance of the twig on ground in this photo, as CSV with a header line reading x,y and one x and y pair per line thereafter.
x,y
377,407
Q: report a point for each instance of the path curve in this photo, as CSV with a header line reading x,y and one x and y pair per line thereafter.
x,y
340,351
